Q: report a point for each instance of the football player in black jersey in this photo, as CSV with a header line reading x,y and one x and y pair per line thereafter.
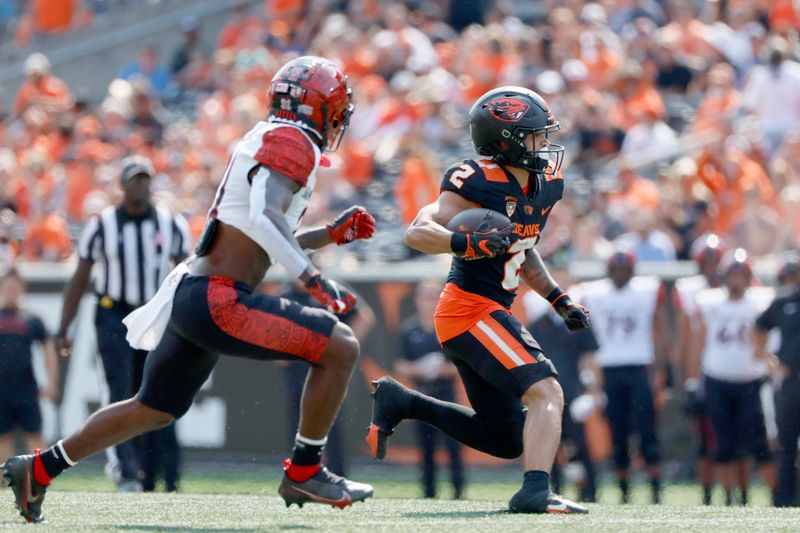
x,y
511,385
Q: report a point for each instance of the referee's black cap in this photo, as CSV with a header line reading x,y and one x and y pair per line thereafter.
x,y
134,166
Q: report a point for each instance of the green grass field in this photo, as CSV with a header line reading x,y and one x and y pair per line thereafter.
x,y
236,498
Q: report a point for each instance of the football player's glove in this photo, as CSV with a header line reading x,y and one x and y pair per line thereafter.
x,y
576,316
352,224
335,298
482,242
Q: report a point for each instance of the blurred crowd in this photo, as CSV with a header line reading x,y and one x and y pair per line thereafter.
x,y
679,118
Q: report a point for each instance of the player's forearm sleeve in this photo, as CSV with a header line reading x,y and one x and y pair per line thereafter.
x,y
274,242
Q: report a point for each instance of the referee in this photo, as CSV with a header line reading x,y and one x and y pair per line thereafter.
x,y
135,242
784,314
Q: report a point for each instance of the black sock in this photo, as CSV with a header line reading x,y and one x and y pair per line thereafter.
x,y
307,452
706,494
501,438
744,498
728,498
655,489
624,487
537,480
54,460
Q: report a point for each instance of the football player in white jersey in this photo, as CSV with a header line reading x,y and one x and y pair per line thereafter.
x,y
722,353
706,252
207,306
630,326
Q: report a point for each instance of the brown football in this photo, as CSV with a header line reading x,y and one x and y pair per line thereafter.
x,y
469,220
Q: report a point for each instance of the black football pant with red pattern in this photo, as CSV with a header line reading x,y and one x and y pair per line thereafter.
x,y
216,315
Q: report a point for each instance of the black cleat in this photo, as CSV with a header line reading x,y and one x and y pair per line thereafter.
x,y
390,404
525,501
324,487
29,495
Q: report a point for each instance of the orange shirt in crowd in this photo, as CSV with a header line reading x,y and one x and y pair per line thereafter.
x,y
729,193
714,106
639,192
230,35
50,92
415,188
485,69
602,68
47,239
53,15
645,100
783,16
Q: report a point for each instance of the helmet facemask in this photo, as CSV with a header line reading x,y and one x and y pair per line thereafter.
x,y
546,160
339,125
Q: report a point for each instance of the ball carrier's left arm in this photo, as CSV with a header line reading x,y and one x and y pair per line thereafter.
x,y
538,278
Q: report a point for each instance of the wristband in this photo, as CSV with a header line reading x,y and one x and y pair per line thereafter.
x,y
459,243
556,295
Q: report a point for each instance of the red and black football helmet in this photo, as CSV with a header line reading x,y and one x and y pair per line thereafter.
x,y
312,93
621,266
707,248
736,261
501,119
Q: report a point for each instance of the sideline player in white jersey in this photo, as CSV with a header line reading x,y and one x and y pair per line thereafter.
x,y
724,358
706,252
207,306
630,327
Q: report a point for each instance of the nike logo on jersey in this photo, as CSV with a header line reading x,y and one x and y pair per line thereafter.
x,y
546,210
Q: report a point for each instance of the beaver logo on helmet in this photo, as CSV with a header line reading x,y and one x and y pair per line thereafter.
x,y
508,109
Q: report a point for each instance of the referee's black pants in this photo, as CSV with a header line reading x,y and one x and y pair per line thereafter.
x,y
787,405
123,366
630,406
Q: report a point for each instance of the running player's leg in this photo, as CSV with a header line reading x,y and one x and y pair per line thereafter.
x,y
230,319
493,427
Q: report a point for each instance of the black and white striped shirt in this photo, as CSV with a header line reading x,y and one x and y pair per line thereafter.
x,y
134,253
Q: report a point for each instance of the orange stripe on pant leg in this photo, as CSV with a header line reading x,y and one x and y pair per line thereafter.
x,y
493,348
510,340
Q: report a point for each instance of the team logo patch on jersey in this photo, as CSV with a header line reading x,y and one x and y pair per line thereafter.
x,y
508,109
528,210
511,205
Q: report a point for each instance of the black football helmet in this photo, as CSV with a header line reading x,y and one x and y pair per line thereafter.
x,y
501,119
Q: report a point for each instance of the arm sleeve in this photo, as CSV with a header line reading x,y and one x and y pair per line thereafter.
x,y
270,237
287,150
769,318
88,244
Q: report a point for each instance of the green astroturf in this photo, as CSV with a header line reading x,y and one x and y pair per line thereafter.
x,y
243,498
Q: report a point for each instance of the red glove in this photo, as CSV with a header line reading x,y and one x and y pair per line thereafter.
x,y
352,224
335,298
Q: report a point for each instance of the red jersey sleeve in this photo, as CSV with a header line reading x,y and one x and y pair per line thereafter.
x,y
288,151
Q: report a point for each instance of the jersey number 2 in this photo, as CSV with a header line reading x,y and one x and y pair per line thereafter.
x,y
458,176
514,263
